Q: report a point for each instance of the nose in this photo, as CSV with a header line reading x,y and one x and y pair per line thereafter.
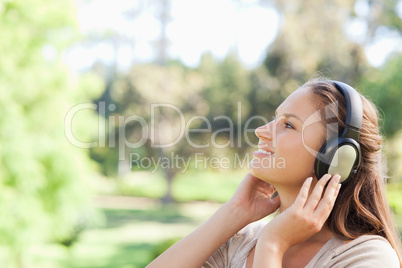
x,y
264,132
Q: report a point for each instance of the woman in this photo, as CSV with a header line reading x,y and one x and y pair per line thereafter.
x,y
320,223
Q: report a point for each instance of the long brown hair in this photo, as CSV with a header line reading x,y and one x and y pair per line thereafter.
x,y
361,206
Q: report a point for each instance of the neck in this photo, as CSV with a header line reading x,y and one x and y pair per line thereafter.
x,y
288,196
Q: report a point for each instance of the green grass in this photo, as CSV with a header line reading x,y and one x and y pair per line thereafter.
x,y
217,186
133,238
211,186
129,238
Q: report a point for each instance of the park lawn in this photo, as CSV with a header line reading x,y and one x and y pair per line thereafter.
x,y
210,185
131,238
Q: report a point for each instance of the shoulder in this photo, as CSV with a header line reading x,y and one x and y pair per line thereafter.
x,y
249,232
235,251
365,251
240,244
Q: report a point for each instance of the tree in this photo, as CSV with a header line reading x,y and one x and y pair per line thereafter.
x,y
312,39
153,104
226,92
383,87
43,186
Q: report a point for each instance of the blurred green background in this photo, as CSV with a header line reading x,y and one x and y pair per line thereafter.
x,y
89,87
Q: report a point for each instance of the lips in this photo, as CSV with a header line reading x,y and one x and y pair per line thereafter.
x,y
265,152
263,148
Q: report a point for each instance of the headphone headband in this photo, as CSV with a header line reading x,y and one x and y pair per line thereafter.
x,y
354,110
341,154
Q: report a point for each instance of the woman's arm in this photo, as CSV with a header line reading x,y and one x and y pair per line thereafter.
x,y
250,202
300,221
195,249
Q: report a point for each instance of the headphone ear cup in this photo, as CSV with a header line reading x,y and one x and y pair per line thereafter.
x,y
324,157
346,157
338,156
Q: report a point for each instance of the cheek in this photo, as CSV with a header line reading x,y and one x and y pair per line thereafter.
x,y
297,151
298,155
313,139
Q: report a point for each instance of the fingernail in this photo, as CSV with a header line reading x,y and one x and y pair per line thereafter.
x,y
337,178
338,187
309,179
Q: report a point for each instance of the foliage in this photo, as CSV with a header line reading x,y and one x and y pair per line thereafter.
x,y
158,101
383,13
134,94
193,185
383,87
173,101
394,197
311,40
43,178
226,84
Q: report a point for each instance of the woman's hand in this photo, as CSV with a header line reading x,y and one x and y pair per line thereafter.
x,y
250,202
253,199
305,217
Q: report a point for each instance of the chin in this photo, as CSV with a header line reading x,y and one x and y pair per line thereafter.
x,y
267,170
263,175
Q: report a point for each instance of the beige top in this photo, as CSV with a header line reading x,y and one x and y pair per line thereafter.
x,y
365,251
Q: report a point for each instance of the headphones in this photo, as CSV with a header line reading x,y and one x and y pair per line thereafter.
x,y
341,154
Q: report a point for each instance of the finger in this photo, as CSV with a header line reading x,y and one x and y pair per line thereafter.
x,y
316,195
325,206
303,193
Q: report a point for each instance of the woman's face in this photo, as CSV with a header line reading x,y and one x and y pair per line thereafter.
x,y
288,144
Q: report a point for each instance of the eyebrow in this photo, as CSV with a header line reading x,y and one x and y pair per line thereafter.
x,y
288,115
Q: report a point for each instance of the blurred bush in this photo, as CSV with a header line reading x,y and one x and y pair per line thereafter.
x,y
43,185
